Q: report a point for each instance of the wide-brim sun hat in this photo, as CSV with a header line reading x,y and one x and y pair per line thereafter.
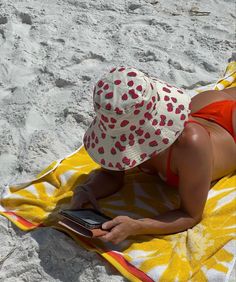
x,y
137,117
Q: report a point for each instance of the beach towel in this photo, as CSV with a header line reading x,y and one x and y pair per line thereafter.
x,y
205,252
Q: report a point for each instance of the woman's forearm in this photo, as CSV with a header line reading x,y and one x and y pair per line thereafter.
x,y
102,183
167,223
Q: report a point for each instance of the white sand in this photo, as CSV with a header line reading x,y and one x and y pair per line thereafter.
x,y
51,54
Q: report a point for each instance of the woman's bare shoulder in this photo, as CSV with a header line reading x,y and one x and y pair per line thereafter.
x,y
192,134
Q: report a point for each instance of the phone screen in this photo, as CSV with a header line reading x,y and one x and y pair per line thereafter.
x,y
88,216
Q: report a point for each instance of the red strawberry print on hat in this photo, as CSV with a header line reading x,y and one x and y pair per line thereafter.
x,y
123,138
112,70
139,88
104,118
124,97
109,95
143,156
154,122
166,89
153,143
148,115
119,166
106,87
101,150
165,140
132,74
147,135
113,151
99,92
119,146
113,120
142,121
133,94
100,83
108,107
139,132
121,69
141,141
149,105
169,107
130,83
126,160
162,122
131,136
118,111
139,105
124,123
117,82
132,127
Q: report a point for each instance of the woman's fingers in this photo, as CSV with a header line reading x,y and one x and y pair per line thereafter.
x,y
120,228
110,224
116,235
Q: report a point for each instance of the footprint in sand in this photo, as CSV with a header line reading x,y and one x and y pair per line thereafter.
x,y
3,20
25,18
62,83
147,56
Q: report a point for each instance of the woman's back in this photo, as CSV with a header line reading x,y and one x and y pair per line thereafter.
x,y
223,144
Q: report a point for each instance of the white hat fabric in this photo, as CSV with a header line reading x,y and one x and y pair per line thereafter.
x,y
136,117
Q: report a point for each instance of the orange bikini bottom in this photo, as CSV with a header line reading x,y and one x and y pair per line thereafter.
x,y
220,112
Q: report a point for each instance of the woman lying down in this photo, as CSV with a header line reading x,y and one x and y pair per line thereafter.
x,y
144,122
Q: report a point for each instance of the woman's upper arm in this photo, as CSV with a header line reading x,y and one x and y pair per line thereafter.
x,y
118,175
195,171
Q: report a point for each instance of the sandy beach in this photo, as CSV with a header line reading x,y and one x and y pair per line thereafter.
x,y
51,54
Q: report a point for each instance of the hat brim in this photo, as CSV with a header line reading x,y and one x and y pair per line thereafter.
x,y
120,152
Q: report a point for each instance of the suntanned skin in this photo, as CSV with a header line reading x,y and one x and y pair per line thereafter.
x,y
197,158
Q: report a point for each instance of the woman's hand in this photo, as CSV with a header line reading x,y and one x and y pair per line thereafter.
x,y
121,228
82,196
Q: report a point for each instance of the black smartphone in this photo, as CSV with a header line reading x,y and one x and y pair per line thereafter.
x,y
88,218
